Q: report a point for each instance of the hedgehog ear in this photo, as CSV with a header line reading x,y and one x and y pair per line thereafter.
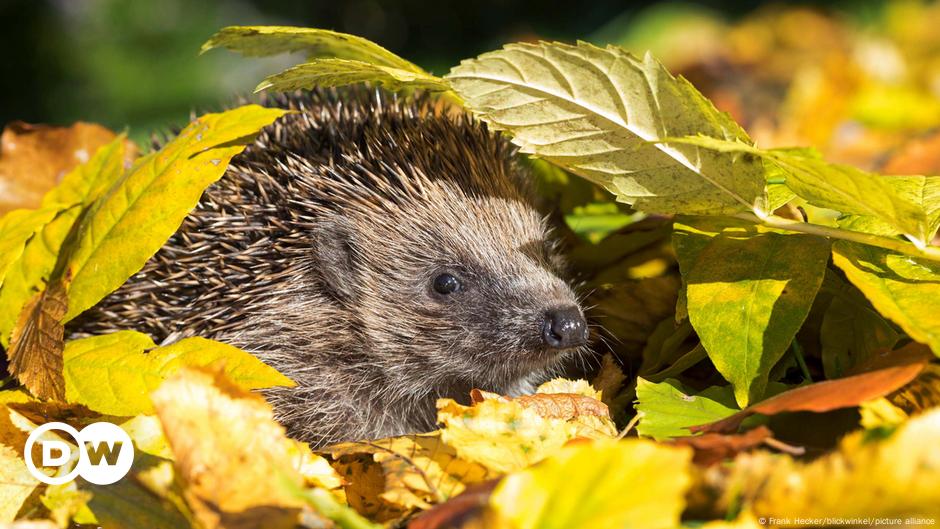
x,y
336,258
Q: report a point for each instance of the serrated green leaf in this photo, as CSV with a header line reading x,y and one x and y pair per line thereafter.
x,y
598,112
909,204
583,487
748,291
904,289
114,374
142,210
341,72
261,41
668,409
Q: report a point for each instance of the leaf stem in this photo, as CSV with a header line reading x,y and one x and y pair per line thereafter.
x,y
800,361
929,252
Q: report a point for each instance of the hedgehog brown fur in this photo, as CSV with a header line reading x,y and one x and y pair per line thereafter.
x,y
322,251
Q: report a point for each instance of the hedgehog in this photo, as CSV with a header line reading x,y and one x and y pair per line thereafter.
x,y
381,251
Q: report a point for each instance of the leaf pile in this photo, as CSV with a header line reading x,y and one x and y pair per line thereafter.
x,y
771,302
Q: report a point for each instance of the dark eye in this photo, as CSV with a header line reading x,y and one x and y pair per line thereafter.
x,y
446,284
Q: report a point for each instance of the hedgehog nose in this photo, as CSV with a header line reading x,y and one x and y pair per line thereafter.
x,y
564,328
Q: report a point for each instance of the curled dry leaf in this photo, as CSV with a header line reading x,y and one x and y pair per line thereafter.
x,y
37,341
34,158
415,471
233,460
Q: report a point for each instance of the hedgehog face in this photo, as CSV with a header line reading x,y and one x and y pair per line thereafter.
x,y
460,288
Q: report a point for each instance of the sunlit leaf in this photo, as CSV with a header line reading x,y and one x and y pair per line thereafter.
x,y
598,112
132,221
748,293
909,204
892,477
230,455
341,72
904,289
506,434
36,344
585,486
114,374
668,409
260,41
417,471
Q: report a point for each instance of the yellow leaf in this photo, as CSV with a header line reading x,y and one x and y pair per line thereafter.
x,y
114,373
132,221
895,476
231,457
601,485
417,471
505,435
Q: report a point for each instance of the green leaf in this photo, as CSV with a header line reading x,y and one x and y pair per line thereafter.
x,y
136,217
748,291
904,289
852,331
261,41
340,72
909,204
114,374
668,409
584,485
598,112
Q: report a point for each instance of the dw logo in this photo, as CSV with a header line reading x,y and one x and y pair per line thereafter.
x,y
105,453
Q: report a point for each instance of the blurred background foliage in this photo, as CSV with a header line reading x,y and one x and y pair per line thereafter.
x,y
135,63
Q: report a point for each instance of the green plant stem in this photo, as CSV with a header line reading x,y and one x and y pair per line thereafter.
x,y
930,252
800,361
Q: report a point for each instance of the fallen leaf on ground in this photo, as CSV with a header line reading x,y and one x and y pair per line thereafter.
x,y
231,457
868,477
508,434
417,471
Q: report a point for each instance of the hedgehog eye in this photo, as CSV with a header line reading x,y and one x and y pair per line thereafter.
x,y
446,284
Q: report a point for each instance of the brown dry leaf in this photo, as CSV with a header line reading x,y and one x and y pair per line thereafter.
x,y
505,434
233,460
34,158
829,395
712,448
865,478
417,471
37,342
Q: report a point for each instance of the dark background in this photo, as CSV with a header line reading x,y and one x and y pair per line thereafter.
x,y
135,63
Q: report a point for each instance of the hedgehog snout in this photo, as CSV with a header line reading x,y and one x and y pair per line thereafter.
x,y
564,328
